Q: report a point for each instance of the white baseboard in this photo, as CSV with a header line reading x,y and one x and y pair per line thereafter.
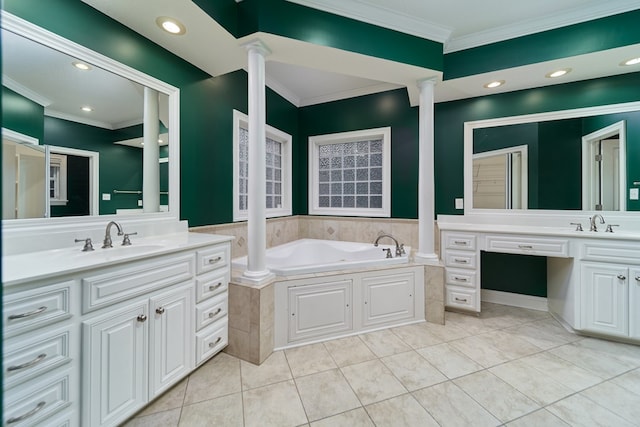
x,y
516,300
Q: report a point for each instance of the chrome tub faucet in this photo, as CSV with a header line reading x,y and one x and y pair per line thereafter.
x,y
399,247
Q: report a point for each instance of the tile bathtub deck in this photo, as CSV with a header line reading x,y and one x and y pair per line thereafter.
x,y
510,366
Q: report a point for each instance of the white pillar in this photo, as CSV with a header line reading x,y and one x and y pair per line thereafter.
x,y
257,223
426,199
150,153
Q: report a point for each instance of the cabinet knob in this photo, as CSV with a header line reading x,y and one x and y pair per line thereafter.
x,y
142,318
622,277
637,278
160,310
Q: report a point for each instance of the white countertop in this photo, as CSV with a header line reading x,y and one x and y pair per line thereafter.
x,y
541,231
31,266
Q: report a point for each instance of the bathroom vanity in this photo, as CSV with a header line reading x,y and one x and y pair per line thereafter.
x,y
593,278
92,337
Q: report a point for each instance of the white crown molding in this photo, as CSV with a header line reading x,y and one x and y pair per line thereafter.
x,y
351,93
282,90
25,91
127,123
537,25
77,119
381,17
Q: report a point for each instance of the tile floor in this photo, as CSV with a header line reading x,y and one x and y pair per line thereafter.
x,y
510,366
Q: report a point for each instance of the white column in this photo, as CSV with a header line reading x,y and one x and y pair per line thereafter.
x,y
150,153
257,223
426,199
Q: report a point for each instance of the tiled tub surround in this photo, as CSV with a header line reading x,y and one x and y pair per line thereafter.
x,y
251,309
507,367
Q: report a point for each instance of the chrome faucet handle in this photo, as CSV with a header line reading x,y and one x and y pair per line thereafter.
x,y
88,246
126,241
402,251
388,252
578,225
609,229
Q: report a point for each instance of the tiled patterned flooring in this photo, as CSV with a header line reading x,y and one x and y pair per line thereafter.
x,y
510,366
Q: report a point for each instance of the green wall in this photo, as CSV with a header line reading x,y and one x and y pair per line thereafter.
x,y
379,110
21,114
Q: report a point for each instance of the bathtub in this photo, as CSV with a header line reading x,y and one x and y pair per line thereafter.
x,y
306,256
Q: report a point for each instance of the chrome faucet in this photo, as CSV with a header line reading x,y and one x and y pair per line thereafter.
x,y
107,243
593,222
399,248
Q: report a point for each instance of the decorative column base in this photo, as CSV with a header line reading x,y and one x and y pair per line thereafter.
x,y
256,278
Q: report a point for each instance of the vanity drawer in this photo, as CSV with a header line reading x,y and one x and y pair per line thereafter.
x,y
27,358
460,241
461,277
528,245
28,310
119,284
36,401
461,259
618,253
212,258
463,298
212,284
211,340
211,311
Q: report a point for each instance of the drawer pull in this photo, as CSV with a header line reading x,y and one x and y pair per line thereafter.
x,y
461,260
460,279
160,310
622,277
31,413
460,299
638,278
29,313
214,260
28,364
525,246
142,318
460,242
213,344
215,314
214,287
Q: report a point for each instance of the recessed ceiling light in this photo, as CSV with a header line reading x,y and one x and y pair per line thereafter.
x,y
632,61
87,109
558,73
171,25
81,65
494,84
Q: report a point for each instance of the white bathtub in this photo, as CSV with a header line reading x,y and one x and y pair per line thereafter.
x,y
306,256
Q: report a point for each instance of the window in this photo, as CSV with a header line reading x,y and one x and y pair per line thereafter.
x,y
58,179
350,173
278,169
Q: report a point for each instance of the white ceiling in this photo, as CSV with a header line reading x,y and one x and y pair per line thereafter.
x,y
308,74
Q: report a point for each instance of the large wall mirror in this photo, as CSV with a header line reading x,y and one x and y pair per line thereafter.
x,y
83,135
574,160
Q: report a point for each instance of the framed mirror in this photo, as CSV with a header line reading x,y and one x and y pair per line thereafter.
x,y
111,133
584,159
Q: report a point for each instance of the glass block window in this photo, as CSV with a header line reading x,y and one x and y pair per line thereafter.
x,y
278,167
350,173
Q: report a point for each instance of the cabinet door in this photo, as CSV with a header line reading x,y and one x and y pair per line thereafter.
x,y
172,337
115,352
388,298
605,304
320,310
634,303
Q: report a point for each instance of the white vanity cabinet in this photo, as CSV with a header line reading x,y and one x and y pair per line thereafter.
x,y
610,289
40,353
462,262
91,346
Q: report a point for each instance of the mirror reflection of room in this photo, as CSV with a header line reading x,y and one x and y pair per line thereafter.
x,y
94,125
583,163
